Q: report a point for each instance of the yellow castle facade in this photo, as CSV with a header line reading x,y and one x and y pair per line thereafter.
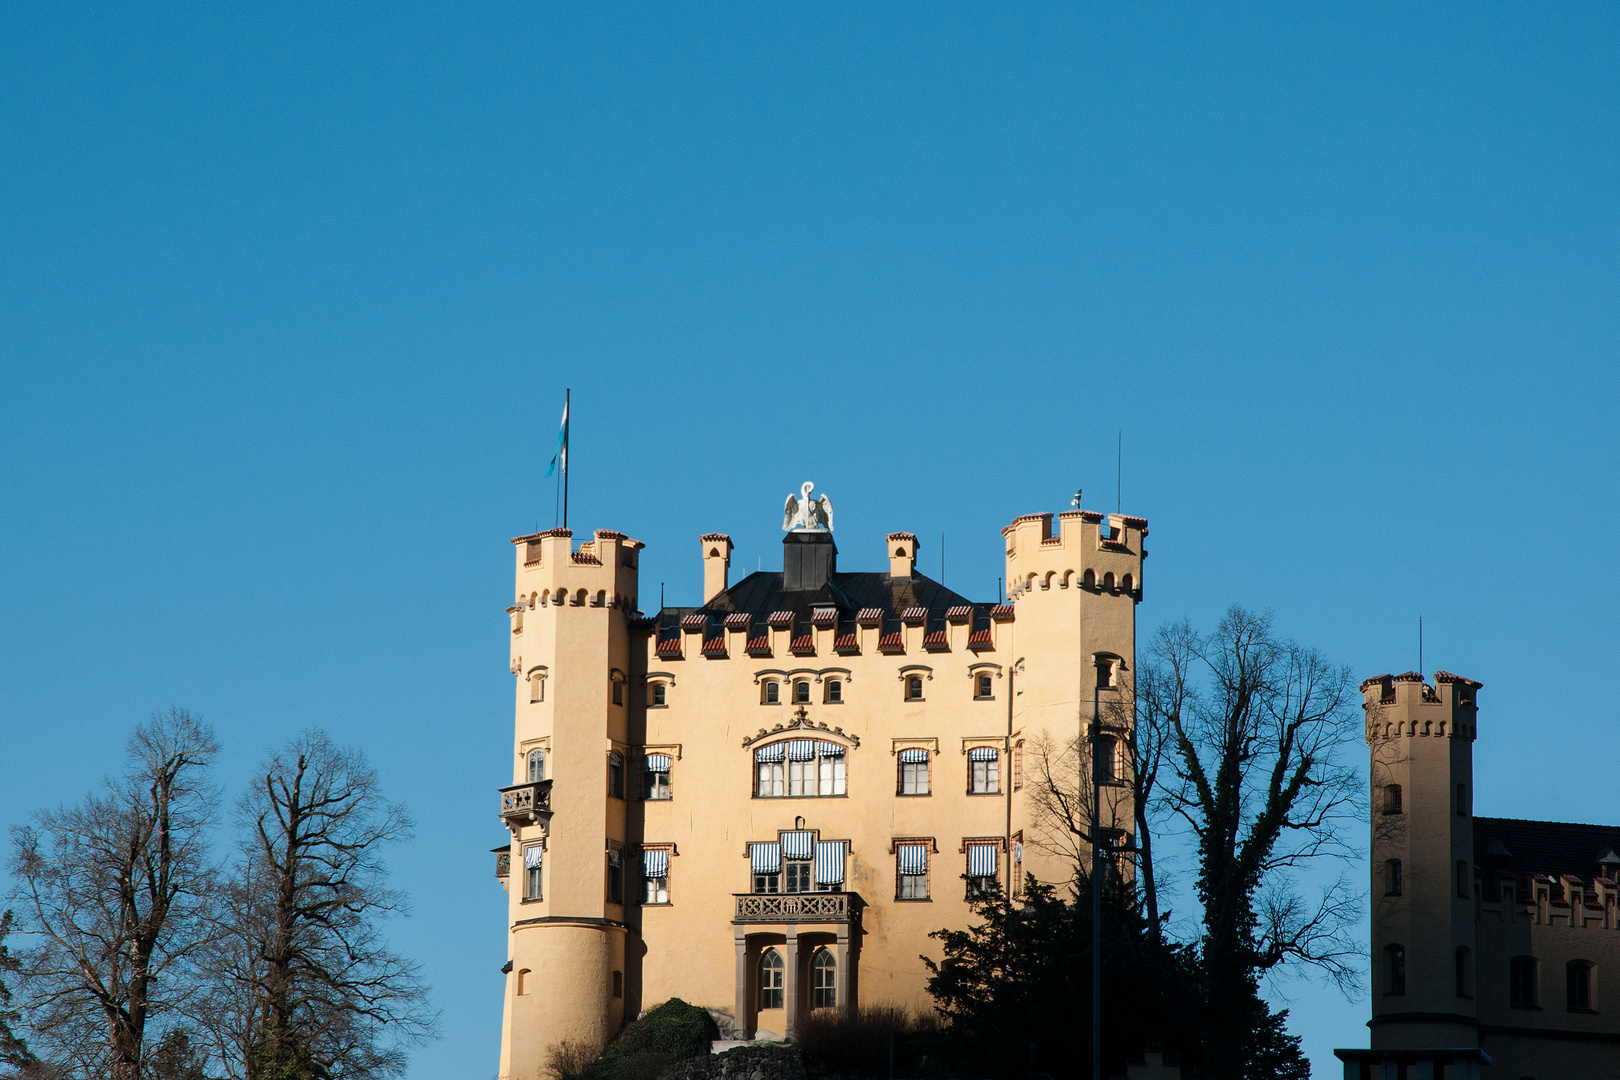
x,y
764,804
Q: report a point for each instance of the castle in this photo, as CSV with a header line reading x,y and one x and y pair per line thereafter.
x,y
1493,940
765,803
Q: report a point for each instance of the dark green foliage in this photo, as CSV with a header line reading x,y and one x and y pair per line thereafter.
x,y
663,1035
860,1045
13,1051
1015,993
1015,988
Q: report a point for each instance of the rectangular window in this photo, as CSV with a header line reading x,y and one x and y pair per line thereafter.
x,y
1105,673
1392,877
766,862
830,866
797,875
1392,798
1578,977
1522,982
618,692
985,778
984,688
911,865
655,876
655,783
914,772
616,775
533,856
835,691
657,695
1395,961
615,882
982,871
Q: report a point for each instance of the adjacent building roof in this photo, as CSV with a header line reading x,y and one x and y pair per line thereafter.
x,y
1554,849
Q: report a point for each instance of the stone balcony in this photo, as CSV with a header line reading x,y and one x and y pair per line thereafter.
x,y
794,908
526,804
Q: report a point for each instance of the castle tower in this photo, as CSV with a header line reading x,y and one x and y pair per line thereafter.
x,y
1420,739
1073,661
568,870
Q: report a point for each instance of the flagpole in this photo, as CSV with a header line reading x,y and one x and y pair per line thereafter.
x,y
568,413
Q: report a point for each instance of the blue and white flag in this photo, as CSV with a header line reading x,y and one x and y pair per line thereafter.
x,y
562,445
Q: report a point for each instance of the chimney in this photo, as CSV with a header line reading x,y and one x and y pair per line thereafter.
x,y
902,555
809,558
716,564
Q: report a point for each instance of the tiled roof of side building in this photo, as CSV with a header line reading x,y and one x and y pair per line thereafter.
x,y
1555,849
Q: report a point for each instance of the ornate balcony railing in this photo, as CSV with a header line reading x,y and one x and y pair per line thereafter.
x,y
503,862
816,907
526,804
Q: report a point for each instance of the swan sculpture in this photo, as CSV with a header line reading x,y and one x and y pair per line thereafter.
x,y
802,512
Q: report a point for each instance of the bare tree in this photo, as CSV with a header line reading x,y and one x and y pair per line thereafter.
x,y
308,989
1255,729
114,893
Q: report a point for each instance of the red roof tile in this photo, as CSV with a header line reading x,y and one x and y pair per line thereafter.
x,y
869,616
694,622
824,617
935,641
846,644
914,614
781,618
1001,612
960,613
891,643
706,537
585,558
979,639
737,620
759,645
902,536
715,645
669,647
1446,676
803,645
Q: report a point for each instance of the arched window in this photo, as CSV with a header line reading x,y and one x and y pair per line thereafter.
x,y
801,692
1523,979
1465,972
537,687
537,765
770,979
835,692
772,694
798,768
1107,760
1392,877
1578,983
823,980
1395,969
1392,798
617,679
1465,880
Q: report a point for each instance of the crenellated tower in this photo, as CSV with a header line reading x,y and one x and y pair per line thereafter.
x,y
566,868
1074,657
1421,743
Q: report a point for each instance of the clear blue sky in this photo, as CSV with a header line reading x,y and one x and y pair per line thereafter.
x,y
289,296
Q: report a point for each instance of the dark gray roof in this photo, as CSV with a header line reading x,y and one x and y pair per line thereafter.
x,y
761,593
1553,848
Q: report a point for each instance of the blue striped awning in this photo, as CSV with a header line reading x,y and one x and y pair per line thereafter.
x,y
796,845
913,756
981,860
765,858
772,752
830,749
801,749
532,856
658,763
655,863
830,863
983,753
913,858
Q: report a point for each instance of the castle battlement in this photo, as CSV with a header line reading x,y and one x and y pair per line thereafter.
x,y
1084,552
1405,706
